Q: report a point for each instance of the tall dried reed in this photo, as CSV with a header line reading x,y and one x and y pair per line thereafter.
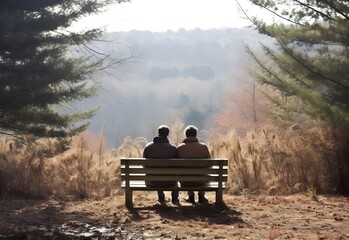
x,y
270,159
22,162
77,168
84,173
278,160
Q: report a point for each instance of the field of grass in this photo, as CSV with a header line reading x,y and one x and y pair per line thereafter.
x,y
270,159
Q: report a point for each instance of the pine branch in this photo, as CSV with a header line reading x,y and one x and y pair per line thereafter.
x,y
307,67
283,68
262,65
258,3
330,3
315,10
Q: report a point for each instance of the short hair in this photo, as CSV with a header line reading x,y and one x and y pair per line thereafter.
x,y
191,131
163,130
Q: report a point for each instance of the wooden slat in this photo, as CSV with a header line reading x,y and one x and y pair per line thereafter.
x,y
189,171
175,177
174,162
140,185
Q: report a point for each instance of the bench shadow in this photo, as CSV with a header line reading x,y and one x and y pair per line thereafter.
x,y
210,213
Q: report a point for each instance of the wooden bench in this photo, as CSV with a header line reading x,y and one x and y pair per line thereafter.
x,y
135,171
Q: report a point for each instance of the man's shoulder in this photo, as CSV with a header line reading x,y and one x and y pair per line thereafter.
x,y
149,143
167,144
181,145
203,144
172,145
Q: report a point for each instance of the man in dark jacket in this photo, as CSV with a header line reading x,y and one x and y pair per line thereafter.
x,y
192,148
160,147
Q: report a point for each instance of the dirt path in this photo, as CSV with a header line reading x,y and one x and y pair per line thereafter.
x,y
244,217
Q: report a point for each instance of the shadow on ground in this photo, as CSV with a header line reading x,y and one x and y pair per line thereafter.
x,y
209,213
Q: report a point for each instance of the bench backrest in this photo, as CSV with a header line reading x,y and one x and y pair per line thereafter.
x,y
175,169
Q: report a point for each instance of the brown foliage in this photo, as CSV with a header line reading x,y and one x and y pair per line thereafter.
x,y
279,160
55,167
243,110
271,159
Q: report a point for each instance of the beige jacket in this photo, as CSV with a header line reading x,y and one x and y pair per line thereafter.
x,y
192,148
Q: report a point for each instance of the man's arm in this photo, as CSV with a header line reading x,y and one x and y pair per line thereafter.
x,y
145,153
208,155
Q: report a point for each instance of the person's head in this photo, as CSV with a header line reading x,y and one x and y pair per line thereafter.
x,y
163,131
191,131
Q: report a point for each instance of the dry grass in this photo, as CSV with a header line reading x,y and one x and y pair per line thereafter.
x,y
61,168
23,164
269,159
279,161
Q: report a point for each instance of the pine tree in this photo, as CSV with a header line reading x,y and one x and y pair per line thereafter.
x,y
309,65
38,76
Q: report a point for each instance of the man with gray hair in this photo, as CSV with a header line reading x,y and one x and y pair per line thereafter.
x,y
161,147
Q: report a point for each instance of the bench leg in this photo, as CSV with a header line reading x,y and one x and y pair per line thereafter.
x,y
128,198
219,197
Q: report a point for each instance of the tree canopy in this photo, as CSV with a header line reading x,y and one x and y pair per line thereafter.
x,y
308,66
38,76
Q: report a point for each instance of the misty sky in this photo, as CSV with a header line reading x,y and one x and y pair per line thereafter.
x,y
163,15
181,75
164,82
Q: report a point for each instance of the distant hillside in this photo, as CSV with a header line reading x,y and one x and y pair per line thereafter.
x,y
169,75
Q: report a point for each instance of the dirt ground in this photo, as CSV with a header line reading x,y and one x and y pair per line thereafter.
x,y
244,217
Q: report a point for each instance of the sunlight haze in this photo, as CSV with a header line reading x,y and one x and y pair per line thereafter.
x,y
163,15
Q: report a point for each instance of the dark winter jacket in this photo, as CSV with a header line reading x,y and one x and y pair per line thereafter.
x,y
160,148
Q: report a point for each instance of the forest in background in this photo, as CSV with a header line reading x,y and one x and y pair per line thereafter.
x,y
191,75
